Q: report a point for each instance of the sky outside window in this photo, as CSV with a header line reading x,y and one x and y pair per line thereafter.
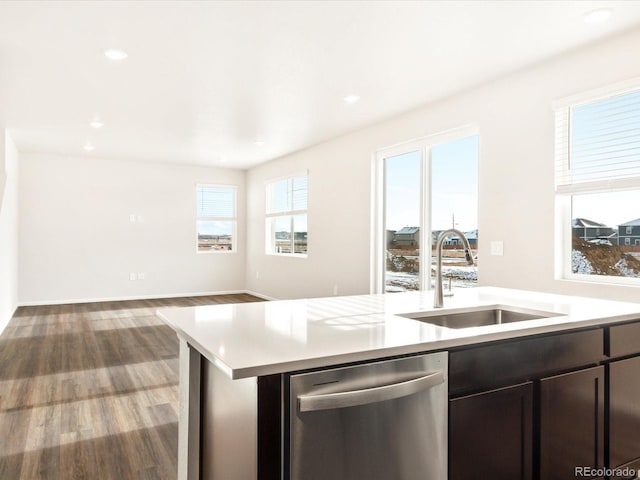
x,y
454,184
454,187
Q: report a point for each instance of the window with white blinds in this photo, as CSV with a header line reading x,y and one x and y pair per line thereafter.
x,y
216,218
598,184
286,215
598,144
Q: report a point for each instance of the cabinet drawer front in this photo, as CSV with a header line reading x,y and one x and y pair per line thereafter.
x,y
493,366
624,339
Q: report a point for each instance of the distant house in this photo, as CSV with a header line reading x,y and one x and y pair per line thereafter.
x,y
629,233
590,230
408,236
472,236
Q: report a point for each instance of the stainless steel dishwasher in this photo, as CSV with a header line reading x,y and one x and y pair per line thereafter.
x,y
376,421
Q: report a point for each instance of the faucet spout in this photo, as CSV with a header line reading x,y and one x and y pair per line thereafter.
x,y
438,301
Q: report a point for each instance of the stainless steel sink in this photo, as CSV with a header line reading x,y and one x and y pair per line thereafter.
x,y
479,317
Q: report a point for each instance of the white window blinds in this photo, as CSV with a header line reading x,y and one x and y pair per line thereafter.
x,y
598,144
300,188
215,202
288,195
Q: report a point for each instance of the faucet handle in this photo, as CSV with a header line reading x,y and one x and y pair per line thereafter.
x,y
468,257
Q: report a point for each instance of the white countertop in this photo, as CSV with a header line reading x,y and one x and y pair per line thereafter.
x,y
254,339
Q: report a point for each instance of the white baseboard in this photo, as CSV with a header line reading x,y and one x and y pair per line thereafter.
x,y
260,295
138,297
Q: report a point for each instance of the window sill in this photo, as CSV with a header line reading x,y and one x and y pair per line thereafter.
x,y
290,255
602,280
217,252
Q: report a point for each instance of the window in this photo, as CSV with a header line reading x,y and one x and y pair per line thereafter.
x,y
598,184
424,188
286,223
216,218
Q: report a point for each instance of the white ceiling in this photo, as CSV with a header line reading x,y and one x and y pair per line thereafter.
x,y
205,80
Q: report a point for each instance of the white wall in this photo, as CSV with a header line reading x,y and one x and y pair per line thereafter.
x,y
338,213
77,241
8,228
516,185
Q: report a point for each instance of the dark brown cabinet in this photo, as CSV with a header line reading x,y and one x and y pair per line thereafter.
x,y
624,413
623,347
532,408
493,434
571,423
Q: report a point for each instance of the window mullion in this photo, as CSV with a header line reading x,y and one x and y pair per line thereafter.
x,y
292,247
425,220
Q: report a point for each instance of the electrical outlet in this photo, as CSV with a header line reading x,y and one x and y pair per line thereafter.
x,y
497,248
132,218
132,276
141,276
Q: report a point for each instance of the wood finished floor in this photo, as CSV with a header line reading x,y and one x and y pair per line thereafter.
x,y
90,391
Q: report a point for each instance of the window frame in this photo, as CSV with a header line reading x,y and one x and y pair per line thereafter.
x,y
377,233
271,215
564,193
233,220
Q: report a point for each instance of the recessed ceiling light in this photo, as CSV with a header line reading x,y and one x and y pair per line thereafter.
x,y
259,143
96,124
598,15
89,147
351,99
115,54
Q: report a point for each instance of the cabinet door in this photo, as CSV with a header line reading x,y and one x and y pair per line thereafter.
x,y
571,423
624,411
490,435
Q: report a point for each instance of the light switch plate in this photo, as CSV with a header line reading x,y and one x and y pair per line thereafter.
x,y
497,247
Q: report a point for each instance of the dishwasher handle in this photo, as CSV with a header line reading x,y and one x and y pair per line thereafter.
x,y
311,403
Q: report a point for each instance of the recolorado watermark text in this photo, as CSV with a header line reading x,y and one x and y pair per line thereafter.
x,y
590,472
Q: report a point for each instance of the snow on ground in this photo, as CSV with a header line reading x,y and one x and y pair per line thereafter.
x,y
401,281
580,264
462,277
621,265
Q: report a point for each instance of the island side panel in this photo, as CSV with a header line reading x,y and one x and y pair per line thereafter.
x,y
189,413
229,410
270,427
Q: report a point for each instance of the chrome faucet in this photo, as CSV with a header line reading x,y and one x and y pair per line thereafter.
x,y
437,297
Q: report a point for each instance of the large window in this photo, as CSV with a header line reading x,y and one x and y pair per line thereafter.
x,y
216,218
598,185
424,188
286,222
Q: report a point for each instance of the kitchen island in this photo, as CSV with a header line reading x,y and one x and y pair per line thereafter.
x,y
233,358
